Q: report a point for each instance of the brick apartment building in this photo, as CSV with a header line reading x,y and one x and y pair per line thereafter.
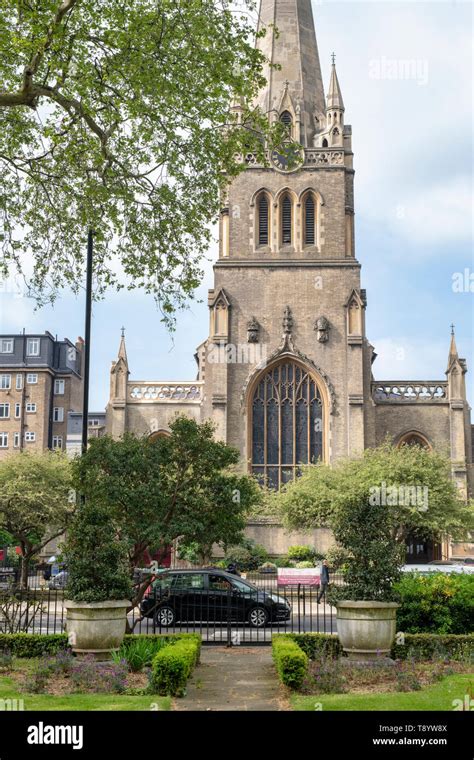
x,y
40,383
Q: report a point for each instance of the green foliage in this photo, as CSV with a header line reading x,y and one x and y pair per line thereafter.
x,y
247,556
138,652
318,645
302,554
315,499
116,114
35,500
33,644
338,558
173,664
178,486
306,564
436,603
290,661
429,646
96,557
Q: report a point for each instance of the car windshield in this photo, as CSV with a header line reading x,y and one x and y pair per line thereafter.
x,y
244,587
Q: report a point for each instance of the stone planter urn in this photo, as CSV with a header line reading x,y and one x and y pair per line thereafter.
x,y
366,630
96,628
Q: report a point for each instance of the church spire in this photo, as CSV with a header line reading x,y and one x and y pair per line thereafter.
x,y
296,87
122,353
334,99
453,351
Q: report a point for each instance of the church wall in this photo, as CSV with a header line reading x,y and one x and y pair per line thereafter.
x,y
432,420
147,418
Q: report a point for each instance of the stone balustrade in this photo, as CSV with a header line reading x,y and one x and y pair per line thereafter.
x,y
185,392
409,391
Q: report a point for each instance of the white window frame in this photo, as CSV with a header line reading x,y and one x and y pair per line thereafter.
x,y
58,414
57,441
7,342
30,436
37,343
29,408
59,383
29,380
16,440
19,382
3,440
6,407
17,410
5,382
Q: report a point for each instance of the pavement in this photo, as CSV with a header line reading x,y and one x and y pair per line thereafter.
x,y
238,678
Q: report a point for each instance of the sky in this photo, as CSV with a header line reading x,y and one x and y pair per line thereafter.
x,y
406,74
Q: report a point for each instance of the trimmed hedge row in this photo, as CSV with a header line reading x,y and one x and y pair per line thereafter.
x,y
172,665
33,644
426,646
318,644
290,661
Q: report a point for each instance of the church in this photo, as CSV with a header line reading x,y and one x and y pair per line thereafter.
x,y
287,372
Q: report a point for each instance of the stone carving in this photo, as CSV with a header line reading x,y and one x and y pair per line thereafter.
x,y
405,391
166,392
322,329
253,330
324,157
287,321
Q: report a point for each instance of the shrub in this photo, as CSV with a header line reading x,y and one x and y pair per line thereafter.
x,y
317,645
138,653
338,558
33,644
173,664
6,661
304,564
424,646
97,560
290,661
326,676
88,675
301,554
247,556
407,677
436,603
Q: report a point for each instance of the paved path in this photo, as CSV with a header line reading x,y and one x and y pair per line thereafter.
x,y
239,678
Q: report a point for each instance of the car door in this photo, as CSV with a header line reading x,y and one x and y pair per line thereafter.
x,y
188,595
219,597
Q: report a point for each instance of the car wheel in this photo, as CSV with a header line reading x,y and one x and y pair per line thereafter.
x,y
165,617
258,617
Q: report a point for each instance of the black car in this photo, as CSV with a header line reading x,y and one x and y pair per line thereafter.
x,y
210,595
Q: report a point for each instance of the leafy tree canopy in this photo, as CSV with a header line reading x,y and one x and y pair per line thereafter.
x,y
116,115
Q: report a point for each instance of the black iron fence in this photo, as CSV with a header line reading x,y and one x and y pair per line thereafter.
x,y
220,613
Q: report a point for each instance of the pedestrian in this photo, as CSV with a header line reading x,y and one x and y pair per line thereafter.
x,y
324,581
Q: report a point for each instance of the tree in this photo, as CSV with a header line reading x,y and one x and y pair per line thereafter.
x,y
116,115
412,484
179,486
35,501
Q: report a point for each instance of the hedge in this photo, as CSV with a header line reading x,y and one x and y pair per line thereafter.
x,y
172,665
290,661
33,644
318,644
436,603
427,646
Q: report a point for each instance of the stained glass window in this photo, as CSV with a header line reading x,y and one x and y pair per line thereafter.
x,y
287,423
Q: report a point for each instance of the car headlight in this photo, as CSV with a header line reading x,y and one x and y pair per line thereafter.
x,y
279,599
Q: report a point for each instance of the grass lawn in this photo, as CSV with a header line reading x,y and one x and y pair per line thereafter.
x,y
9,690
439,696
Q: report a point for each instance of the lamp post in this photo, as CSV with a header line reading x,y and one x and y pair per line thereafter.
x,y
87,337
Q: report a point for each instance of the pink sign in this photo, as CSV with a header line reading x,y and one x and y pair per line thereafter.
x,y
293,576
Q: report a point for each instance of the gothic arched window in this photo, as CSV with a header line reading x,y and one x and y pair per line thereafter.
x,y
309,226
286,412
286,119
413,438
286,219
263,208
325,143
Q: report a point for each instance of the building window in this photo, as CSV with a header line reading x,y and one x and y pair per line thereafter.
x,y
16,440
286,119
263,215
58,414
19,382
325,143
6,346
94,423
33,347
17,410
309,220
30,437
5,382
414,438
286,424
3,440
57,441
31,407
286,219
32,378
4,411
59,387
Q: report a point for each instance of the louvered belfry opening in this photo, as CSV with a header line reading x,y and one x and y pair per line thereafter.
x,y
309,221
263,220
286,220
286,119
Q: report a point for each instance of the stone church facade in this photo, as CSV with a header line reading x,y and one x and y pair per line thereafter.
x,y
286,371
